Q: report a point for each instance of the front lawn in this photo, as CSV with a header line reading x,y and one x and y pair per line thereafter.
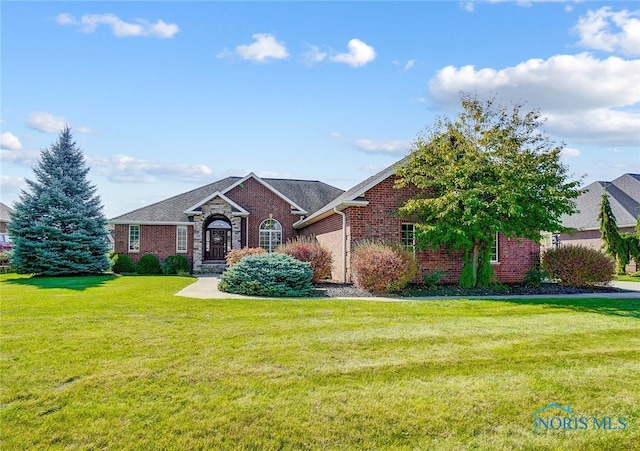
x,y
627,278
121,363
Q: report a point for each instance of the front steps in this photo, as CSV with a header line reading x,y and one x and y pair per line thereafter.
x,y
211,268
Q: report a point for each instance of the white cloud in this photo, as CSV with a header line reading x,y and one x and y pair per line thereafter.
x,y
409,64
610,31
264,48
468,6
581,96
46,122
384,147
126,169
10,184
89,22
358,55
335,134
313,55
8,141
568,153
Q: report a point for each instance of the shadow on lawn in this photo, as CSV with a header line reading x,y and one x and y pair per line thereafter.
x,y
78,283
604,306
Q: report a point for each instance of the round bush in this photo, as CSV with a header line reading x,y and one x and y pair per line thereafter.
x,y
274,275
148,264
175,264
382,268
578,266
307,249
122,263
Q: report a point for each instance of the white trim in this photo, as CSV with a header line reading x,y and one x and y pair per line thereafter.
x,y
321,214
129,250
192,210
131,222
295,208
497,241
186,239
350,201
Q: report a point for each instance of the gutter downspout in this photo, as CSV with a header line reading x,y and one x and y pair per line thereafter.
x,y
344,243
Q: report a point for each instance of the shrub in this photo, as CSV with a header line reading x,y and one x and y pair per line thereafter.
x,y
148,264
307,249
122,263
175,264
268,275
431,280
534,277
578,266
235,255
382,268
5,257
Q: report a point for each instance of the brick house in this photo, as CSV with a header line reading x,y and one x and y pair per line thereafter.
x,y
624,198
5,217
206,223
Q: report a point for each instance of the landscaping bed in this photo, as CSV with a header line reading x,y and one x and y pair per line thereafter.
x,y
341,290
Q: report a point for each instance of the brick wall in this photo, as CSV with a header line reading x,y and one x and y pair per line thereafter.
x,y
377,221
159,240
262,204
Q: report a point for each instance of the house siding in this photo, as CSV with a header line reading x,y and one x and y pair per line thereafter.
x,y
159,240
262,203
378,221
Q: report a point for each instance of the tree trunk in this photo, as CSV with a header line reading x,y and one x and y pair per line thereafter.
x,y
475,261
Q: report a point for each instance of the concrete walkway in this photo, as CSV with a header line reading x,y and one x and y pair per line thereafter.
x,y
206,287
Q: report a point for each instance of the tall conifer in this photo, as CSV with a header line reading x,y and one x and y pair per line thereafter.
x,y
58,227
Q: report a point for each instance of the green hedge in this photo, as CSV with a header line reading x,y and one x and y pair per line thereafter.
x,y
148,264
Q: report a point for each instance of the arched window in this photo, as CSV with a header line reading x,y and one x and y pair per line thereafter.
x,y
270,235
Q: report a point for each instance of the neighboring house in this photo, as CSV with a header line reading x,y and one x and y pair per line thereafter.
x,y
206,223
5,217
624,197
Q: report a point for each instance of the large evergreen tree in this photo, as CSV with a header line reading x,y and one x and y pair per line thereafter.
x,y
58,227
488,170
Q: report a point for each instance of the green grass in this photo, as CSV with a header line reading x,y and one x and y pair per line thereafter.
x,y
627,278
121,363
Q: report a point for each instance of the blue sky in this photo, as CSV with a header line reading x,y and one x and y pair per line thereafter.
x,y
164,97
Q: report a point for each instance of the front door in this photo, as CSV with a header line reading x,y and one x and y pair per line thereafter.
x,y
216,248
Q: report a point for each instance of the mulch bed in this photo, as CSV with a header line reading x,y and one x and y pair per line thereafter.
x,y
337,290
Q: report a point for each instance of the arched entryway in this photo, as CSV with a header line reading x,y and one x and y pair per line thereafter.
x,y
217,238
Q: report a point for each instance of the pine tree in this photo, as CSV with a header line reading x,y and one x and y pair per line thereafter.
x,y
58,227
614,244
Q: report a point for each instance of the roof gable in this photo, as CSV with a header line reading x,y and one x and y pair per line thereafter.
x,y
296,207
305,196
239,211
624,197
351,197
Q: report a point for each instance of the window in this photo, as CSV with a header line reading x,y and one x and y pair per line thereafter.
x,y
270,235
408,238
134,238
494,250
181,239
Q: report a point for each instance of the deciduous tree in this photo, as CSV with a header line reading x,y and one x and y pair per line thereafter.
x,y
490,169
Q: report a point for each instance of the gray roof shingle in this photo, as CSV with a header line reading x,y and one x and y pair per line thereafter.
x,y
624,197
5,213
308,194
